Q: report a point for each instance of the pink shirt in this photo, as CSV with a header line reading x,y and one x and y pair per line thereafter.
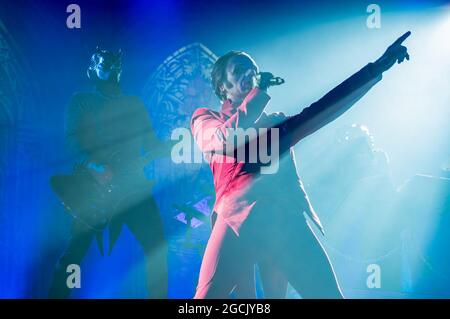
x,y
240,185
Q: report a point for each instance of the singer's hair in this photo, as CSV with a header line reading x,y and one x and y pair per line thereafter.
x,y
218,73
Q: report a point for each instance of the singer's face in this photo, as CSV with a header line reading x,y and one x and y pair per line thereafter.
x,y
241,77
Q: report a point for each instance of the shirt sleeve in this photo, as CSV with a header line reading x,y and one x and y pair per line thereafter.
x,y
211,133
329,107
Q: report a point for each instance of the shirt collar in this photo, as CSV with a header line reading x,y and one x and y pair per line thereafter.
x,y
227,108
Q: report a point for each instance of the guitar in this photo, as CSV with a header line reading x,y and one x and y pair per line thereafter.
x,y
93,198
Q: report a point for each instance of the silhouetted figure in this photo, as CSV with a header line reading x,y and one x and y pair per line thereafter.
x,y
112,138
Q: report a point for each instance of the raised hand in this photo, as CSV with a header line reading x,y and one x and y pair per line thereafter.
x,y
396,52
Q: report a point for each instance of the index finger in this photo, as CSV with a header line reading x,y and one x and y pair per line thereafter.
x,y
402,38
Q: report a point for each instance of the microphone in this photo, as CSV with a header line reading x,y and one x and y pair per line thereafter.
x,y
267,79
276,81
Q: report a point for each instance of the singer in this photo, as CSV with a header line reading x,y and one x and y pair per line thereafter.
x,y
259,218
